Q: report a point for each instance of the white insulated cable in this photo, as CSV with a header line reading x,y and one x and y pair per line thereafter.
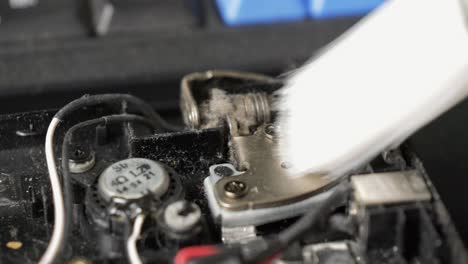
x,y
132,251
56,239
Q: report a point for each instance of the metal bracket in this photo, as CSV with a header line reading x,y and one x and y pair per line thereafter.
x,y
259,216
264,180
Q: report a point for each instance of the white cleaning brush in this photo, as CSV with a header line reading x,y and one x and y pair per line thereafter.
x,y
392,73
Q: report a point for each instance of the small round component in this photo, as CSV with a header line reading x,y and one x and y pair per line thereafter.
x,y
131,179
235,189
182,216
81,159
80,167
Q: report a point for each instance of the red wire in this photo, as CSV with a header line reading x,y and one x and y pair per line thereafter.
x,y
186,254
272,258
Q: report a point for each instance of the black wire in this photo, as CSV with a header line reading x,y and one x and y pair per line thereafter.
x,y
291,234
90,100
299,229
66,180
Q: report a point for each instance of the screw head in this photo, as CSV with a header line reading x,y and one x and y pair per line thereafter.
x,y
81,158
80,153
235,189
223,171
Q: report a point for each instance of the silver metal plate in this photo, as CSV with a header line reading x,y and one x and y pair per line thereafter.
x,y
240,234
266,177
258,216
389,188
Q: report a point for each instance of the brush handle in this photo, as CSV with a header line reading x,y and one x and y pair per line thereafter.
x,y
391,74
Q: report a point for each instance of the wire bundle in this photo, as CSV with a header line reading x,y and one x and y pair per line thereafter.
x,y
63,199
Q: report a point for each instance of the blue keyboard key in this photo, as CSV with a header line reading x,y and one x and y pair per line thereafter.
x,y
245,12
339,8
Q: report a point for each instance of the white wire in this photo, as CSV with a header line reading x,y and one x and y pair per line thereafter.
x,y
59,214
133,256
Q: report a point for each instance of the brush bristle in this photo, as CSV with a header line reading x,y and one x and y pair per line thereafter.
x,y
380,82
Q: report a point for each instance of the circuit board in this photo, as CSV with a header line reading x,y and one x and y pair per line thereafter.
x,y
132,188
